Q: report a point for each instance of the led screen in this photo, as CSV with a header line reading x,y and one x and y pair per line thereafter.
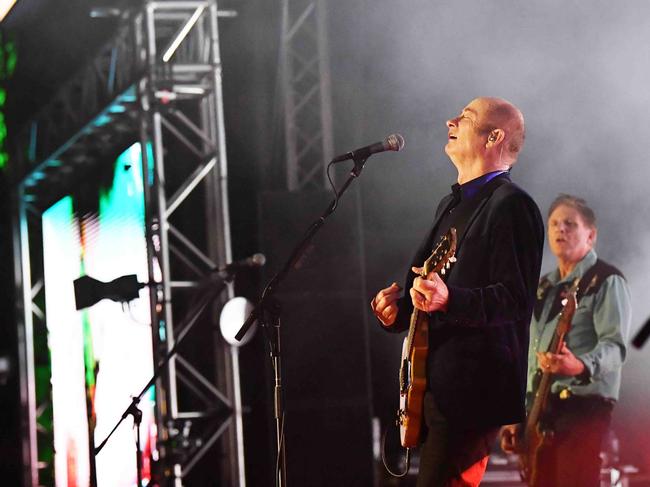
x,y
100,356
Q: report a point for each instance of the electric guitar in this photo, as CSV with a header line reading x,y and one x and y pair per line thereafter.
x,y
413,370
535,435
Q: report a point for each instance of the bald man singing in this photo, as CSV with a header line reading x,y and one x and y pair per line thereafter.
x,y
479,312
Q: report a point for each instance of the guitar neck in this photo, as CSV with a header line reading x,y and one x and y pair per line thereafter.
x,y
543,389
539,401
440,260
415,317
556,343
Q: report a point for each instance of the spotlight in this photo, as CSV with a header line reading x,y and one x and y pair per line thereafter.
x,y
104,12
88,291
5,369
5,7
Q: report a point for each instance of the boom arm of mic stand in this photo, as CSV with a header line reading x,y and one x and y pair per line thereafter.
x,y
642,335
298,251
211,291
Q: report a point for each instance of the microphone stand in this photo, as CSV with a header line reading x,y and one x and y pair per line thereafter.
x,y
642,335
209,293
267,311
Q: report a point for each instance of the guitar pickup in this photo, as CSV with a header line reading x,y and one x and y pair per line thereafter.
x,y
401,415
403,376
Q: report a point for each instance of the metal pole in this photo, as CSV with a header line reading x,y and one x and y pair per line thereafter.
x,y
22,273
220,212
278,406
156,222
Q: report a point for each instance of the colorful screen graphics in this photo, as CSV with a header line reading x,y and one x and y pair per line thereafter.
x,y
100,356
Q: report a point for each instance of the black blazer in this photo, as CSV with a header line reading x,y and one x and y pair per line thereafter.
x,y
478,349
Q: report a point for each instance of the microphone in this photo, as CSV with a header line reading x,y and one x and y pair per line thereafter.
x,y
255,260
394,142
642,335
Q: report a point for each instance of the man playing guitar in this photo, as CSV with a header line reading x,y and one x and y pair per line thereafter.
x,y
586,371
478,313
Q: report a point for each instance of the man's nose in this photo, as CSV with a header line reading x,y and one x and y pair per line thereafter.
x,y
453,122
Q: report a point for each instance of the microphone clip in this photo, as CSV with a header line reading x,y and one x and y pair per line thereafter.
x,y
359,162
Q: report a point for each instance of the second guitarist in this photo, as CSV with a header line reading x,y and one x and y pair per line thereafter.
x,y
479,312
587,370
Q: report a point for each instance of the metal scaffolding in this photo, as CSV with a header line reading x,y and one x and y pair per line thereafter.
x,y
307,94
157,82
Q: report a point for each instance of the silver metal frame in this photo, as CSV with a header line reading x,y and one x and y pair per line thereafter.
x,y
176,101
25,315
306,85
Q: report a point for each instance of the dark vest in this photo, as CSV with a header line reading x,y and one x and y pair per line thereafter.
x,y
589,284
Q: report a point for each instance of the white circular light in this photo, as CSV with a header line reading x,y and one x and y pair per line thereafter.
x,y
232,317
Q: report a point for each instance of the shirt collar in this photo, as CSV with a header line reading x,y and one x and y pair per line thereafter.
x,y
581,267
470,188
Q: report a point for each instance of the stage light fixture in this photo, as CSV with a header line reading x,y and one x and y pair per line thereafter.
x,y
5,369
104,12
182,33
5,7
88,291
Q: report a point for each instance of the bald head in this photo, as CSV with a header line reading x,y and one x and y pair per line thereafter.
x,y
486,136
501,114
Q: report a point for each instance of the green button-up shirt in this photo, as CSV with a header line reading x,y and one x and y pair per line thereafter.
x,y
599,331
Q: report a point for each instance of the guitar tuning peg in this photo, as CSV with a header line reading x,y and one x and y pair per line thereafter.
x,y
452,259
447,265
442,271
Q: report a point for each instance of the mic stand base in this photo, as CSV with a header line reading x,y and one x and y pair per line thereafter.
x,y
136,412
271,323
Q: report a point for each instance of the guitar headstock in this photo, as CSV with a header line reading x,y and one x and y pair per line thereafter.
x,y
443,255
570,304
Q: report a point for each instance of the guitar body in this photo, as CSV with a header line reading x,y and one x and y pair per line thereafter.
x,y
414,369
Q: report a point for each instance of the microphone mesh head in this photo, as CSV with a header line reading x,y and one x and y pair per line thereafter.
x,y
258,259
394,142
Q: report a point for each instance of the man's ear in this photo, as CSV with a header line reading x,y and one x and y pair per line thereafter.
x,y
495,137
593,236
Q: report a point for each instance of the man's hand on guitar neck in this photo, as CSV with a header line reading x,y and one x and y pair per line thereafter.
x,y
430,294
563,363
384,305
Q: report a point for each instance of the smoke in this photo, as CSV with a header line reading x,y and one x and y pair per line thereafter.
x,y
581,75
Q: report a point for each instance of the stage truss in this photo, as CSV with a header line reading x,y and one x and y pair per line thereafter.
x,y
306,90
157,82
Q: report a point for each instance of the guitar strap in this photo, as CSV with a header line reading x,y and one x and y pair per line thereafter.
x,y
589,284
